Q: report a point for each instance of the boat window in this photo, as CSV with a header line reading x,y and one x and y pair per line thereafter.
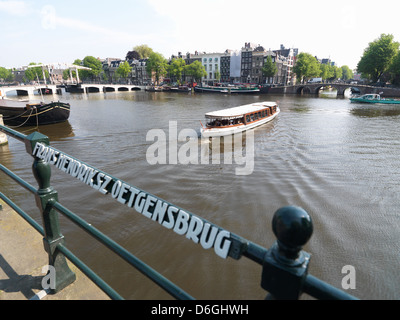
x,y
247,118
252,117
256,116
259,115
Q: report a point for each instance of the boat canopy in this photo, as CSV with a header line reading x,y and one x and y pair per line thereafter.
x,y
371,96
238,112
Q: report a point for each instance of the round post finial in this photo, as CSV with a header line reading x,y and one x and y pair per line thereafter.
x,y
293,227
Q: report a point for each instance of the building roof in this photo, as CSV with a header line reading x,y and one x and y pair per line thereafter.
x,y
236,112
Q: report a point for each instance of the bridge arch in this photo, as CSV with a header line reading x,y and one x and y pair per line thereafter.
x,y
45,91
92,89
303,90
123,89
319,88
109,89
340,87
21,92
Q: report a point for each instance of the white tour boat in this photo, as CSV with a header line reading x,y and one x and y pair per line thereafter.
x,y
234,120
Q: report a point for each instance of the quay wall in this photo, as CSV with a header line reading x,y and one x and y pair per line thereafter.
x,y
314,88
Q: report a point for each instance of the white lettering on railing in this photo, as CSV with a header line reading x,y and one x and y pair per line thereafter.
x,y
170,217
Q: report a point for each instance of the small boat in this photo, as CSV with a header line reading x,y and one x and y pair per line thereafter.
x,y
25,113
154,89
74,88
184,89
234,120
373,98
230,89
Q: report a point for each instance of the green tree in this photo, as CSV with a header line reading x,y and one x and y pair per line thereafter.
x,y
347,73
196,70
306,66
395,70
77,62
156,64
337,73
269,69
144,51
6,74
95,65
35,73
124,70
65,74
378,57
176,69
327,71
217,75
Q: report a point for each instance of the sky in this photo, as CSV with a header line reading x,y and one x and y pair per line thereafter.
x,y
62,31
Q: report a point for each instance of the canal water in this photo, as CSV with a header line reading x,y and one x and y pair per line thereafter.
x,y
338,160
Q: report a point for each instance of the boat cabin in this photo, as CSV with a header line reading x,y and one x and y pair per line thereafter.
x,y
371,96
242,115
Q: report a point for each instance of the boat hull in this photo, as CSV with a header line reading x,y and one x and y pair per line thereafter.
x,y
226,131
35,114
226,90
381,101
74,88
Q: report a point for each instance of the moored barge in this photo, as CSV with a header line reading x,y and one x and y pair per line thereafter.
x,y
25,113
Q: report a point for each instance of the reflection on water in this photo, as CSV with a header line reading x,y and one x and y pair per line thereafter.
x,y
375,111
331,157
57,131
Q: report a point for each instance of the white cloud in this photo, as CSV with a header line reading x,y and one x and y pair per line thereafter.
x,y
15,8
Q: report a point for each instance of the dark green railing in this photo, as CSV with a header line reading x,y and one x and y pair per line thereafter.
x,y
284,265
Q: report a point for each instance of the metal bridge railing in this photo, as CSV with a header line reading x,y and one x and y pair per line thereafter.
x,y
284,265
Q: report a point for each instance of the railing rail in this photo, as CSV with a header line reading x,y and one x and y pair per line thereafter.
x,y
285,264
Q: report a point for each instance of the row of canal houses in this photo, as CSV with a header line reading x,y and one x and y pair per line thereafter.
x,y
240,66
231,66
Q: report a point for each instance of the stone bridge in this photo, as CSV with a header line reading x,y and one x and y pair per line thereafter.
x,y
314,88
53,89
110,87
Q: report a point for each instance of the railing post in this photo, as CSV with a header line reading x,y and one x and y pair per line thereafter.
x,y
44,198
285,265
